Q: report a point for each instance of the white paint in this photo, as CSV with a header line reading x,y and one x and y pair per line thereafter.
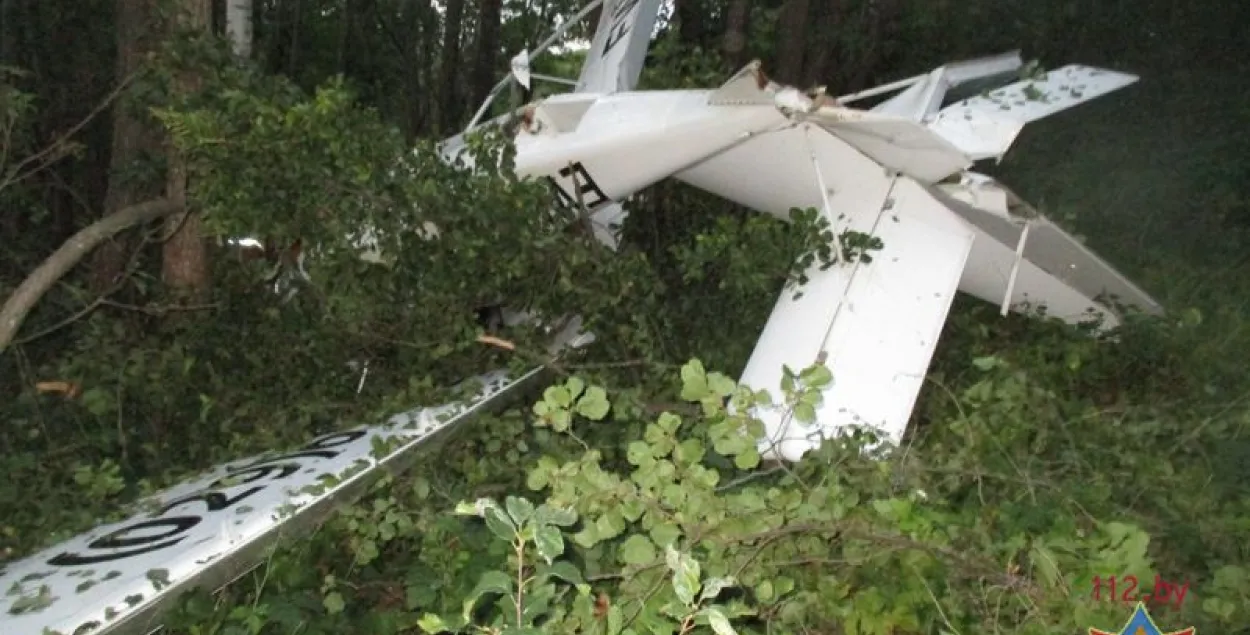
x,y
985,126
762,145
277,494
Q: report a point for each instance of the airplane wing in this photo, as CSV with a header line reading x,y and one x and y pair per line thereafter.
x,y
206,532
985,126
874,324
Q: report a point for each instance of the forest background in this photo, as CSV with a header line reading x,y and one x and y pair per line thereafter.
x,y
1047,456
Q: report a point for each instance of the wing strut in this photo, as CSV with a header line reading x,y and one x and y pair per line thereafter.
x,y
1015,270
824,194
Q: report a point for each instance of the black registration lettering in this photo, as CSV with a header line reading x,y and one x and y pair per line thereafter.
x,y
275,468
620,24
214,501
123,539
584,190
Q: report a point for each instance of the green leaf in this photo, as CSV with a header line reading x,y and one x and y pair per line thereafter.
x,y
817,376
97,401
714,586
432,624
665,534
334,603
693,371
985,363
720,384
491,583
558,516
804,412
693,381
747,459
638,452
499,524
561,420
520,509
563,571
575,386
1044,561
558,396
637,550
685,575
549,541
718,621
594,404
764,592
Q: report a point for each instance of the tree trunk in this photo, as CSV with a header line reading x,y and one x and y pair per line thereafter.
x,y
487,62
822,46
297,21
184,257
734,44
690,21
239,26
347,22
429,49
135,136
791,40
449,66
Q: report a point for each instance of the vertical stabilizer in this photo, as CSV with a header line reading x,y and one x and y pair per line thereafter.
x,y
619,47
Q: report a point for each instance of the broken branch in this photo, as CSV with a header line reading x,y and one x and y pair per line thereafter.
x,y
33,288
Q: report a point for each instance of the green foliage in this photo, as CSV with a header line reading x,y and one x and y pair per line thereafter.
x,y
633,496
680,535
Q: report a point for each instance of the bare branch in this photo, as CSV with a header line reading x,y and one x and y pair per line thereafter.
x,y
59,147
33,288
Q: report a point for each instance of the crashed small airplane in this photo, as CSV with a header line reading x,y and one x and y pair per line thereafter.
x,y
898,171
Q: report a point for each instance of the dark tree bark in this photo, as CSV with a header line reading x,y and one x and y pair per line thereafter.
x,y
734,44
823,50
348,15
135,136
791,40
486,63
184,256
690,21
426,101
449,66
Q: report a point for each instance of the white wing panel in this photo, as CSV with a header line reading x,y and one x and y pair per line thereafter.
x,y
875,324
985,126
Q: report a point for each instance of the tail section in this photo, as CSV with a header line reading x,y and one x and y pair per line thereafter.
x,y
619,47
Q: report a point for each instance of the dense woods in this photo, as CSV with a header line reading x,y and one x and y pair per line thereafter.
x,y
139,344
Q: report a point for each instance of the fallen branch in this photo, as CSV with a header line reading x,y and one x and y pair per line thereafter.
x,y
491,340
33,288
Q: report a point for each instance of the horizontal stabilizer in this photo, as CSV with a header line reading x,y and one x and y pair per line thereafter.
x,y
903,145
1021,259
926,93
745,88
985,126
